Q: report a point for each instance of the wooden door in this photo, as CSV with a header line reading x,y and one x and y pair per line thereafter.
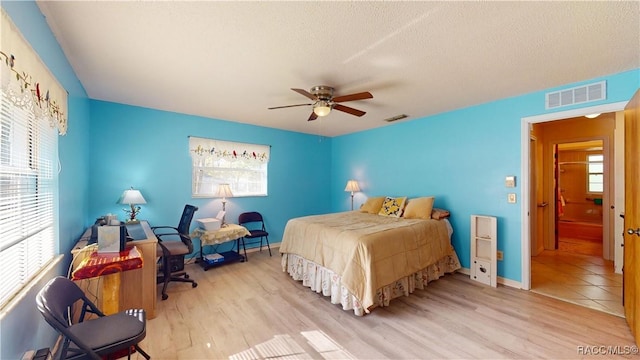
x,y
557,196
533,198
632,216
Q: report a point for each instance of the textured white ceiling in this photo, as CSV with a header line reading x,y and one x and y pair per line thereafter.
x,y
233,60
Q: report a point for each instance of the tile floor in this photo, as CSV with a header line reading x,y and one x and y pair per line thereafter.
x,y
578,278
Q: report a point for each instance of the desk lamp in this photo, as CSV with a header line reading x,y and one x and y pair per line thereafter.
x,y
352,186
132,198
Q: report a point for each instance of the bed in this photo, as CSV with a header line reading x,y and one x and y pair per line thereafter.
x,y
361,259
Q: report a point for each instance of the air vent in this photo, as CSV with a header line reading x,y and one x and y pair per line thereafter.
x,y
396,118
577,95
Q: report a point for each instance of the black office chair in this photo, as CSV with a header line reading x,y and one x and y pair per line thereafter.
x,y
92,338
254,222
172,252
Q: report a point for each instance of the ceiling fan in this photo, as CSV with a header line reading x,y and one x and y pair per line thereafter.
x,y
324,101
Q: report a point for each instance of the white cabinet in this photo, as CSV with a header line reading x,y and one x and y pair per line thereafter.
x,y
484,241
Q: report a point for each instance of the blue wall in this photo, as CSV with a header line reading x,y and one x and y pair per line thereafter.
x,y
149,150
22,327
461,157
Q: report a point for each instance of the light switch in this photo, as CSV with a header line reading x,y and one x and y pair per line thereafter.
x,y
511,198
510,181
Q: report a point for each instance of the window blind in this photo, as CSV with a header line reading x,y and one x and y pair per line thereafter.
x,y
28,183
595,173
243,166
33,107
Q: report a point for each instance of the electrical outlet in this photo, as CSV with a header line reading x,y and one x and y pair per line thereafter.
x,y
499,255
511,198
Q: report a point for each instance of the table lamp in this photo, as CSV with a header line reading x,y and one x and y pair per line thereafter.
x,y
132,198
352,186
224,191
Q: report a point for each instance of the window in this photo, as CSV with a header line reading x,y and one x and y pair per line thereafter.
x,y
27,188
243,166
33,109
595,173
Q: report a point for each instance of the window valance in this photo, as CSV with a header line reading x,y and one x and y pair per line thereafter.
x,y
228,150
26,81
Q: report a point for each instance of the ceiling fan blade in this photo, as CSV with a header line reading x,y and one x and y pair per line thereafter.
x,y
287,106
313,116
305,93
352,97
349,110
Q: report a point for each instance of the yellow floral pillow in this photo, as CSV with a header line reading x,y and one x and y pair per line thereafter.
x,y
372,205
419,208
392,206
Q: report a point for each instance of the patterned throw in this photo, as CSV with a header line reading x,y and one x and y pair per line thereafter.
x,y
103,264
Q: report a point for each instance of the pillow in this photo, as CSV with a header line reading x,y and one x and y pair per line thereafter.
x,y
392,206
439,214
372,205
419,208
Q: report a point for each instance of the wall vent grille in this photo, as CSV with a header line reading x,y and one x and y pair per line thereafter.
x,y
577,95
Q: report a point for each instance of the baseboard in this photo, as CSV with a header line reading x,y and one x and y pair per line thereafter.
x,y
57,346
500,280
274,246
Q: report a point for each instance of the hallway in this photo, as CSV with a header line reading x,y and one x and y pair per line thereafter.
x,y
578,278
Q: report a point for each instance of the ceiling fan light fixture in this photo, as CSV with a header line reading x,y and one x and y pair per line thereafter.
x,y
324,101
322,108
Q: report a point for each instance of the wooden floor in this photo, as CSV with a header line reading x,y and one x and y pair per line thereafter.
x,y
254,310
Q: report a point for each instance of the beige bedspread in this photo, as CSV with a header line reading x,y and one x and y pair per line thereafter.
x,y
368,251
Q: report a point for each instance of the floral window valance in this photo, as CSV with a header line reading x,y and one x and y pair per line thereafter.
x,y
26,81
228,150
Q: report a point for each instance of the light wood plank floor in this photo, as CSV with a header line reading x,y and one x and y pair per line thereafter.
x,y
254,310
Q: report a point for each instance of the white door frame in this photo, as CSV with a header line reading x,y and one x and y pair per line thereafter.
x,y
526,123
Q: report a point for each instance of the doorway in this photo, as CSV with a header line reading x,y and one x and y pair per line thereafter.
x,y
580,187
571,267
566,241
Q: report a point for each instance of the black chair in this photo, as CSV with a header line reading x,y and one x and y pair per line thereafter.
x,y
172,252
92,338
254,222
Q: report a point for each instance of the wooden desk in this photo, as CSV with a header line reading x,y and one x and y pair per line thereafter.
x,y
137,287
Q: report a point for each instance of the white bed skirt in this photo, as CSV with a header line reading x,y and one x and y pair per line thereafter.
x,y
325,281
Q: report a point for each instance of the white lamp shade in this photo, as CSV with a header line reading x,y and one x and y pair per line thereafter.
x,y
352,185
322,108
132,196
224,191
